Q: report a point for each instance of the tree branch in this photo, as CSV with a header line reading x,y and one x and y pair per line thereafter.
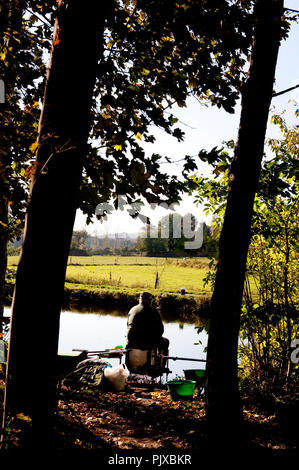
x,y
41,18
285,91
290,9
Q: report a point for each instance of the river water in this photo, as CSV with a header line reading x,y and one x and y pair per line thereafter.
x,y
102,330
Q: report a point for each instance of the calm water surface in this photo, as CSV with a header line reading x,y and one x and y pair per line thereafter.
x,y
98,331
94,331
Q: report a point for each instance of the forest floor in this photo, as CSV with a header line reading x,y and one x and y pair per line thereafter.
x,y
144,418
142,421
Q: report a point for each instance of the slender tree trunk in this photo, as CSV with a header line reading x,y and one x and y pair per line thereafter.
x,y
223,401
63,133
287,304
3,255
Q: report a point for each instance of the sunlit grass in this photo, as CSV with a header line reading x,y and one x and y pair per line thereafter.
x,y
135,273
131,260
137,260
171,277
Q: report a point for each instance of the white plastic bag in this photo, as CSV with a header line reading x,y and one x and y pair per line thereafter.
x,y
117,376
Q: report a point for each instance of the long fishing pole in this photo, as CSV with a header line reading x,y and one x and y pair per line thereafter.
x,y
104,351
122,351
175,358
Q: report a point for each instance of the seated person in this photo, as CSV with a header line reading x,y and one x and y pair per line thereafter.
x,y
145,327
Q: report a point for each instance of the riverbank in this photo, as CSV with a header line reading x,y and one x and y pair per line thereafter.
x,y
171,306
134,274
85,298
115,282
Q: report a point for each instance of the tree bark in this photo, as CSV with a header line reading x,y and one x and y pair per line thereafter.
x,y
224,410
62,138
3,255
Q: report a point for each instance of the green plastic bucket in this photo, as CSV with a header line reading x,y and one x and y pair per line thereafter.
x,y
199,375
181,389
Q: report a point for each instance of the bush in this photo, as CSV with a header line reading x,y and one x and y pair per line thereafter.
x,y
267,371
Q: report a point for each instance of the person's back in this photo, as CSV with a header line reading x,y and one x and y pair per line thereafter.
x,y
145,327
144,333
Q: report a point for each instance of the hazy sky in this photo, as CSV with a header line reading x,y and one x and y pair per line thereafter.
x,y
205,128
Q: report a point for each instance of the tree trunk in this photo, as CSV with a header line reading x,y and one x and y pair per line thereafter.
x,y
62,138
3,255
224,411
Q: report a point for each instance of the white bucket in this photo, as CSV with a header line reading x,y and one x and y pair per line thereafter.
x,y
136,359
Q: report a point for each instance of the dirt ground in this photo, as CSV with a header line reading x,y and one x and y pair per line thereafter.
x,y
144,418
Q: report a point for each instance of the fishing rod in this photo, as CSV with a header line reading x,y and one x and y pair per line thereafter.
x,y
123,350
175,358
104,351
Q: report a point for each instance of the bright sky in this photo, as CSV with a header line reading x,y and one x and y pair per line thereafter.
x,y
205,128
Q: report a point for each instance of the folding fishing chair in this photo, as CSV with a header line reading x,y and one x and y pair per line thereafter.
x,y
147,362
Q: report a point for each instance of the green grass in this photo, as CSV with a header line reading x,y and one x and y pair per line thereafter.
x,y
132,274
139,273
127,260
12,260
135,273
171,277
137,260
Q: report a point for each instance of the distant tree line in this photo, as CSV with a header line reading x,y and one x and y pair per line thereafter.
x,y
85,244
170,237
154,242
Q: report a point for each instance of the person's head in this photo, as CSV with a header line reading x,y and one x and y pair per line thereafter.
x,y
145,298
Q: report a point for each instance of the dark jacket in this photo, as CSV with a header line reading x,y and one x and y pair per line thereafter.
x,y
145,327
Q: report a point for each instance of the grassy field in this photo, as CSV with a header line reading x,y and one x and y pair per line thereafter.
x,y
132,274
138,260
128,260
171,278
137,273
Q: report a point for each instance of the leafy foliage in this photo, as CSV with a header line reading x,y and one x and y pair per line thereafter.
x,y
150,62
23,43
170,235
269,320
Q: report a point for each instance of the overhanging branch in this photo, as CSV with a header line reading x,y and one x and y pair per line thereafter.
x,y
285,91
291,9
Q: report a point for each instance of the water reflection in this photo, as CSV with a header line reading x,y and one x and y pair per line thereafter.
x,y
167,316
98,331
107,329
